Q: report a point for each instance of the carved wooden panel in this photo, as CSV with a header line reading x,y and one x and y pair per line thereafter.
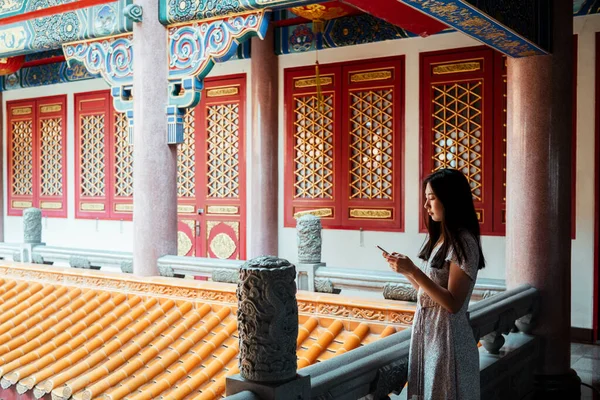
x,y
222,140
186,157
36,155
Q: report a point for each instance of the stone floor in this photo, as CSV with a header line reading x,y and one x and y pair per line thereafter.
x,y
585,359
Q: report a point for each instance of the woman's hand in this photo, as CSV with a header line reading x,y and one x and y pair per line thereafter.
x,y
400,263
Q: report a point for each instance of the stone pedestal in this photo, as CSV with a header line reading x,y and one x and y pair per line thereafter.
x,y
263,146
309,239
155,162
297,389
538,227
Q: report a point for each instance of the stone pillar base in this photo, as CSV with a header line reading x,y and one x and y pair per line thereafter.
x,y
551,387
298,388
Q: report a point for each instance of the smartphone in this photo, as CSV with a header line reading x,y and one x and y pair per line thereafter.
x,y
382,249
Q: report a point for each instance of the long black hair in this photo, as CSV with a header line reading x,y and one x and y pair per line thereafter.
x,y
452,189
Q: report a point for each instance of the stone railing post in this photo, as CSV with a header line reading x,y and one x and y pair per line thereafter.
x,y
268,329
309,243
32,233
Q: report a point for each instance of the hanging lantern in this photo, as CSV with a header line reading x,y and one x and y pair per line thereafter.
x,y
10,65
319,14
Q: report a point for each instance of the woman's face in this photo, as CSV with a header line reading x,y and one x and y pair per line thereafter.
x,y
433,205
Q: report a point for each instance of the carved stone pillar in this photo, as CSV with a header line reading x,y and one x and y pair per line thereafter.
x,y
155,162
309,239
32,226
268,330
538,226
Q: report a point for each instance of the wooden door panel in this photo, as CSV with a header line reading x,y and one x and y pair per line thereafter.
x,y
186,238
223,239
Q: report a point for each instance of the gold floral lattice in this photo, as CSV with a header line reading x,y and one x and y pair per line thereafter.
x,y
313,147
22,158
223,144
371,144
458,131
123,158
93,153
51,155
186,162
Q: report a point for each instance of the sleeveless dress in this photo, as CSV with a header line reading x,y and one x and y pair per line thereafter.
x,y
444,359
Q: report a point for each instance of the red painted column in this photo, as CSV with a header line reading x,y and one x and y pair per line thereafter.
x,y
2,144
154,161
538,241
263,212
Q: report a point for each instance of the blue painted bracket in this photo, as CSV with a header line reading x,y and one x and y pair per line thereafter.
x,y
111,58
194,48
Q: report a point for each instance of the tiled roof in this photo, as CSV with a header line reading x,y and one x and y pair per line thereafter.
x,y
87,335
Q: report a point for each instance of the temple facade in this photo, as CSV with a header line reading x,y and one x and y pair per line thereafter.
x,y
208,131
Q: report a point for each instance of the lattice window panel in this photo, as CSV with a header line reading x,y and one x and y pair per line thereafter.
x,y
93,155
51,144
222,136
313,147
457,131
186,158
371,144
123,158
22,158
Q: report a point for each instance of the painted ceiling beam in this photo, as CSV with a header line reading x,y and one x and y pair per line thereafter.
x,y
174,11
69,5
401,15
50,32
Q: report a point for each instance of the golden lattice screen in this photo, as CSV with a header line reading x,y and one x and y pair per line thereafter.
x,y
51,155
458,132
22,158
313,147
186,159
371,144
223,169
93,155
123,158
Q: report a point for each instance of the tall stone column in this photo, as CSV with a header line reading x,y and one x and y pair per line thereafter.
x,y
263,145
154,161
538,242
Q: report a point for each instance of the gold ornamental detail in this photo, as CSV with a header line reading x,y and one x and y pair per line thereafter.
x,y
321,212
312,82
22,204
92,207
51,108
222,246
370,76
224,91
51,205
459,67
184,244
185,209
370,214
21,111
124,207
222,210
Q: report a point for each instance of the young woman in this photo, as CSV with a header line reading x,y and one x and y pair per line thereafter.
x,y
444,360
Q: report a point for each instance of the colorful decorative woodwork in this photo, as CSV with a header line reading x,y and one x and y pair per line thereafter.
x,y
343,156
36,155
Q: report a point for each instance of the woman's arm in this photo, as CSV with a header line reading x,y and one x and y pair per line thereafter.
x,y
410,278
453,298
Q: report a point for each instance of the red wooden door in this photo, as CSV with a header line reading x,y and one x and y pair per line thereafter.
x,y
212,168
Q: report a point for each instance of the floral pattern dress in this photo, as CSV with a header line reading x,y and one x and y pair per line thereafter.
x,y
444,359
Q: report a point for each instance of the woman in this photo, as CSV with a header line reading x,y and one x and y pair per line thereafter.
x,y
444,360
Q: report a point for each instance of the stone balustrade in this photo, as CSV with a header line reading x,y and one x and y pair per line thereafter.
x,y
374,371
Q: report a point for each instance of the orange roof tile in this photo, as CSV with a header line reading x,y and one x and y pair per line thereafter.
x,y
85,335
